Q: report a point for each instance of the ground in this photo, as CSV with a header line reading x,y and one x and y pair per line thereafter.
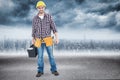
x,y
79,67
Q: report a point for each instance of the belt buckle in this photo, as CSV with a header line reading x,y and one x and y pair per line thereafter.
x,y
42,40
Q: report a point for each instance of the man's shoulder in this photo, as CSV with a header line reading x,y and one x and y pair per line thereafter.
x,y
48,14
35,17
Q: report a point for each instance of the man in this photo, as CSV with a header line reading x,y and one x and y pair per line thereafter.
x,y
41,33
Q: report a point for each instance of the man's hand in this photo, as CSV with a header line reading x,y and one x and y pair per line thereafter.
x,y
33,41
56,40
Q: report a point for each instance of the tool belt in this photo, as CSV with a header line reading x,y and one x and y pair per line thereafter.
x,y
48,41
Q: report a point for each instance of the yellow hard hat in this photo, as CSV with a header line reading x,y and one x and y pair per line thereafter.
x,y
40,3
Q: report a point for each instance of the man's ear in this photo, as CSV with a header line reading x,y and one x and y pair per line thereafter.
x,y
45,7
37,9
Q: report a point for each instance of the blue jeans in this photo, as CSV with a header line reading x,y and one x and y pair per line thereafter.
x,y
41,59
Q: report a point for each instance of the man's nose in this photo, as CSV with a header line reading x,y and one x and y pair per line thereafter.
x,y
41,9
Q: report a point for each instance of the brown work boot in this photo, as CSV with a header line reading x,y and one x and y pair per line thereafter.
x,y
39,74
55,73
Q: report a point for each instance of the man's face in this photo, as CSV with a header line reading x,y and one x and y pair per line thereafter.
x,y
41,9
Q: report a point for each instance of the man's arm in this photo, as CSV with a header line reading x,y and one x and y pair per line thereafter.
x,y
33,30
53,27
56,38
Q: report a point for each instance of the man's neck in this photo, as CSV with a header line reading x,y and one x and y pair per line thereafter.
x,y
41,14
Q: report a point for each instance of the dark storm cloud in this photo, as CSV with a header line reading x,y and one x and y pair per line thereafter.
x,y
14,11
88,13
21,9
79,1
66,13
103,6
5,11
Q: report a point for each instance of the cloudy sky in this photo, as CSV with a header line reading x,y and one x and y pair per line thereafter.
x,y
82,19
